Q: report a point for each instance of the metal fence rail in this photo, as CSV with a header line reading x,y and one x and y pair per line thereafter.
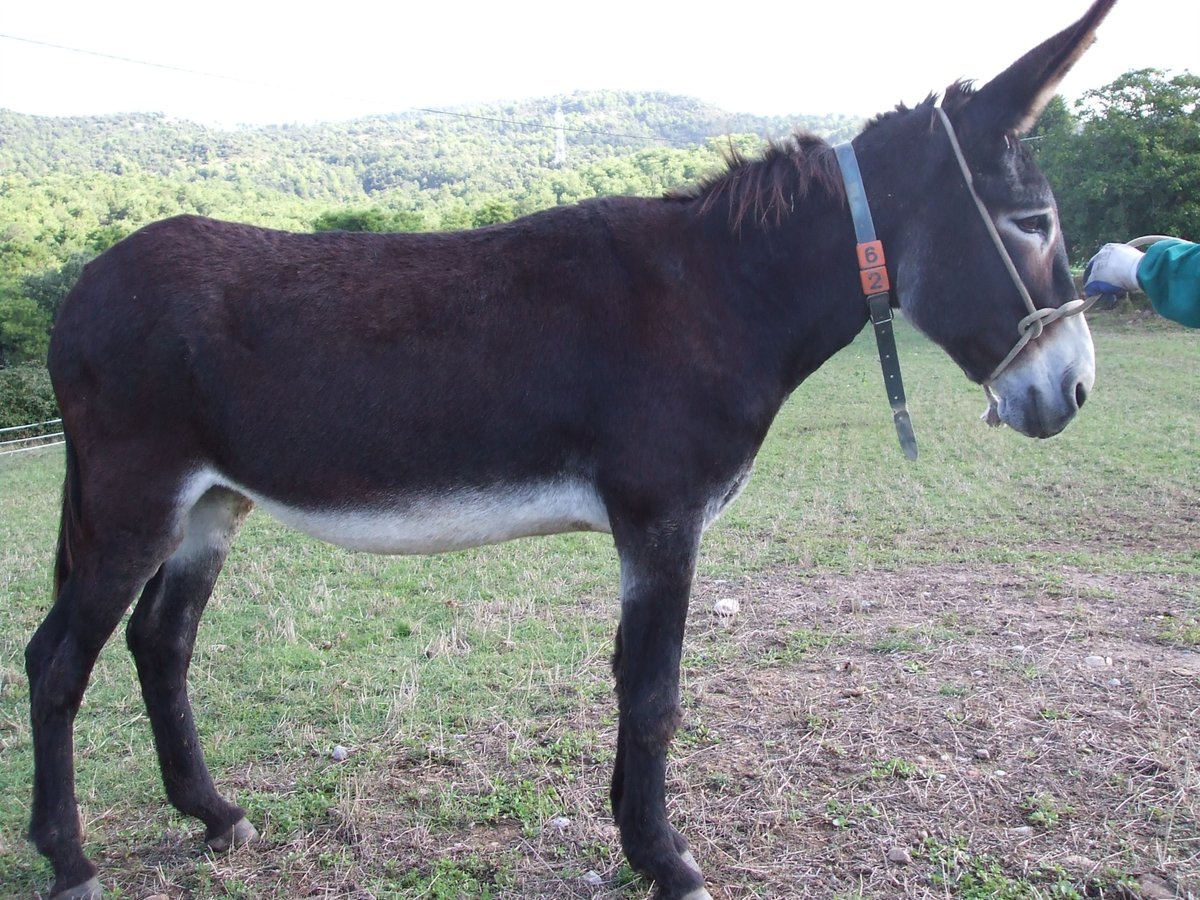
x,y
29,442
34,425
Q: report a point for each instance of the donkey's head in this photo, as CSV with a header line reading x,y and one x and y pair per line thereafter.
x,y
953,279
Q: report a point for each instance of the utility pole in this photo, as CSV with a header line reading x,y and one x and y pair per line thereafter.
x,y
560,138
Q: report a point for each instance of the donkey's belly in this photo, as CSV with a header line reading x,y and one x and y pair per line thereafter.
x,y
437,522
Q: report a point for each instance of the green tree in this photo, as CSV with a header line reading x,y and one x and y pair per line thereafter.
x,y
351,220
48,289
494,211
24,330
1128,162
372,219
456,217
26,396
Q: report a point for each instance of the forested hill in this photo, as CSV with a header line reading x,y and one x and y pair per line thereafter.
x,y
71,187
499,150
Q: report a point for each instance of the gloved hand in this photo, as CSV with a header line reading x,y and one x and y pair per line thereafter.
x,y
1112,271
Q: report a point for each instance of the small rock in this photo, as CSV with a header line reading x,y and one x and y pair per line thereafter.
x,y
339,754
983,753
1021,831
1097,662
1018,648
899,856
1114,682
559,824
1151,887
726,607
1075,863
592,878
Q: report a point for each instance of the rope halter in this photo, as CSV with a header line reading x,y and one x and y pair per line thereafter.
x,y
1031,326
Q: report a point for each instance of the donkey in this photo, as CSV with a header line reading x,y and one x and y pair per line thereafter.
x,y
610,366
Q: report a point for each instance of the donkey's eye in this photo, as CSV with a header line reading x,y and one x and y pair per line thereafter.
x,y
1039,224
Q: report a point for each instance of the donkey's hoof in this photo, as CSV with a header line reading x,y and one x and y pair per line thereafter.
x,y
690,862
698,894
89,890
242,832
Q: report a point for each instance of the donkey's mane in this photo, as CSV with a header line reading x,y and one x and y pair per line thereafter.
x,y
765,189
956,95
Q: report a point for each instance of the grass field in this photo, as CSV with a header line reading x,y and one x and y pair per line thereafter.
x,y
971,676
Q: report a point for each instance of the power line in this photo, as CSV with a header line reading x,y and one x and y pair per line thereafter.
x,y
279,87
128,59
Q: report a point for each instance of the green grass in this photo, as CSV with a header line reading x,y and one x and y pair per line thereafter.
x,y
1044,810
306,646
969,876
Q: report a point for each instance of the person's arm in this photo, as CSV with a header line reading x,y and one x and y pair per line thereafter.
x,y
1169,273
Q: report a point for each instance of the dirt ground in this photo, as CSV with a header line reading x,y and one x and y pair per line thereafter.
x,y
933,732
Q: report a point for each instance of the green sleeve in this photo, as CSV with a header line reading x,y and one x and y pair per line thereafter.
x,y
1170,276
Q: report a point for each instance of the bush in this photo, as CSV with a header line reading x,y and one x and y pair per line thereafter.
x,y
24,331
26,395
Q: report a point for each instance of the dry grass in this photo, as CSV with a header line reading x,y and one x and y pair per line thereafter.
x,y
888,734
974,677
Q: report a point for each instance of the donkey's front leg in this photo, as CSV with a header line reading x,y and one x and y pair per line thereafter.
x,y
656,578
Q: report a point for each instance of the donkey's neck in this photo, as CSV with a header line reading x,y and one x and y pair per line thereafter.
x,y
796,280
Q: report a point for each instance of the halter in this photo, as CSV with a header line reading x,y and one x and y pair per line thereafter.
x,y
1030,327
876,286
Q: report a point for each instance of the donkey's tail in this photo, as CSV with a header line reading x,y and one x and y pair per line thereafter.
x,y
69,525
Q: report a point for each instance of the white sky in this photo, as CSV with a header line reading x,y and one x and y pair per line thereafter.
x,y
296,62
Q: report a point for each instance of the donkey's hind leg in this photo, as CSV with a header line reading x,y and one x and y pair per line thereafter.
x,y
106,554
59,660
161,635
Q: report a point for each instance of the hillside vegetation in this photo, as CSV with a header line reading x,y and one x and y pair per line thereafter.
x,y
71,187
1124,161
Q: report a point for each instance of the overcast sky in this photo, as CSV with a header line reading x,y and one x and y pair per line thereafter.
x,y
270,63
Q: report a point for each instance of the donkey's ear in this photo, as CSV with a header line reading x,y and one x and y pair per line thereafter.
x,y
1012,101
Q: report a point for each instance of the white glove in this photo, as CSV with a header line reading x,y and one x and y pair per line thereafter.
x,y
1112,271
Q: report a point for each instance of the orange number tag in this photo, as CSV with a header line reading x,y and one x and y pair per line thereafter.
x,y
873,268
875,281
870,255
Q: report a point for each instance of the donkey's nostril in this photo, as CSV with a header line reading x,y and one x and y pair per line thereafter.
x,y
1080,394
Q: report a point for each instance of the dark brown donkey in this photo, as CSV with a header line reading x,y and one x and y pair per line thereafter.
x,y
609,366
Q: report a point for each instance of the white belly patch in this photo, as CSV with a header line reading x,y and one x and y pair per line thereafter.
x,y
433,523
